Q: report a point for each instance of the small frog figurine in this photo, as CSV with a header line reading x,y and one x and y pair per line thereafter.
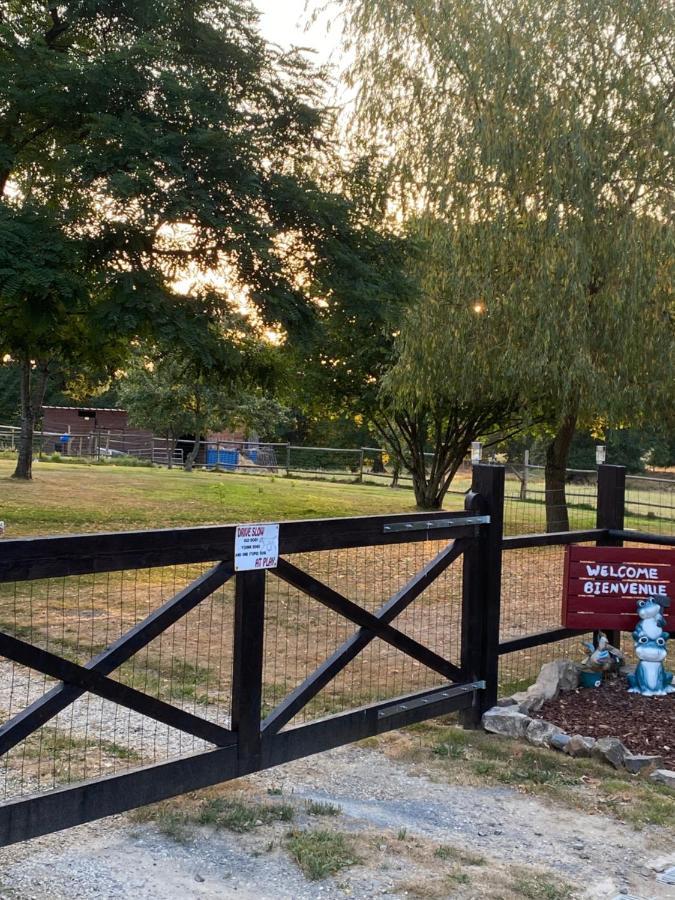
x,y
651,678
651,621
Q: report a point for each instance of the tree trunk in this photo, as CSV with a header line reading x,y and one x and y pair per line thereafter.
x,y
557,454
396,471
32,391
378,465
170,447
428,493
191,458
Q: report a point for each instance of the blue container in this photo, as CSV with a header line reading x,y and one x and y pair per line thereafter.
x,y
590,679
224,459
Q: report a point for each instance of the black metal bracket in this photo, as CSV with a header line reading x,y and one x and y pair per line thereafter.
x,y
435,524
454,691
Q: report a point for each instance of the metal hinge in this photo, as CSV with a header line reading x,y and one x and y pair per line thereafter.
x,y
433,524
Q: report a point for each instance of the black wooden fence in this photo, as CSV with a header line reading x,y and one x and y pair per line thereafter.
x,y
138,666
120,675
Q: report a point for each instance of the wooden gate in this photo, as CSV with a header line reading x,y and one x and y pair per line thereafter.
x,y
257,734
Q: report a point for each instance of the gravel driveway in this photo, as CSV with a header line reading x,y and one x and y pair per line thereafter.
x,y
382,800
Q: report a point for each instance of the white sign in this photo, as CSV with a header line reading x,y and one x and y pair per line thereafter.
x,y
256,547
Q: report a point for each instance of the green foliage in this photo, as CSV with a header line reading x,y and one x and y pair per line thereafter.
x,y
157,161
239,816
624,448
662,452
323,808
321,853
174,396
530,151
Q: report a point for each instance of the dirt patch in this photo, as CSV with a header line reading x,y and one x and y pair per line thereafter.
x,y
644,724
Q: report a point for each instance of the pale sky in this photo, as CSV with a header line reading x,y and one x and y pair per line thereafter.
x,y
283,22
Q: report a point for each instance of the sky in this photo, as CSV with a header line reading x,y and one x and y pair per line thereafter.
x,y
283,22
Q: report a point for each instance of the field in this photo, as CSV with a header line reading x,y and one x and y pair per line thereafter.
x,y
66,498
77,498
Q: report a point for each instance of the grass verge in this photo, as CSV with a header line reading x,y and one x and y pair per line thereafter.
x,y
474,757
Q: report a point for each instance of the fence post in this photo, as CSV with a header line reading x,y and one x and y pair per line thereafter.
x,y
247,666
361,455
288,459
526,475
610,513
481,600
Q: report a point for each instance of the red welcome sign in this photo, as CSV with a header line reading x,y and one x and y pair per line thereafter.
x,y
604,584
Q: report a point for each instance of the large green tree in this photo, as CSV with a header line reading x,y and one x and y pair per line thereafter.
x,y
540,134
175,395
142,144
370,353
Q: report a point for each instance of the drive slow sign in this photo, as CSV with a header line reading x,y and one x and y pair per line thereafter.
x,y
256,547
603,585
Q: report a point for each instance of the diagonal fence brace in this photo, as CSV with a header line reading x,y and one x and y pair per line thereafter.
x,y
311,686
92,681
316,589
52,703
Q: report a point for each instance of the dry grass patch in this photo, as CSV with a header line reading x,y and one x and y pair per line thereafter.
x,y
476,758
217,808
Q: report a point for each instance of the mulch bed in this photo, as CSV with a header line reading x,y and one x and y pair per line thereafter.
x,y
644,724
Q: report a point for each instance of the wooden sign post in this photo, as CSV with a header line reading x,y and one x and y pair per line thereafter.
x,y
604,584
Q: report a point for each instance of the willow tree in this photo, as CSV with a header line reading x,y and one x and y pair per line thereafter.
x,y
540,132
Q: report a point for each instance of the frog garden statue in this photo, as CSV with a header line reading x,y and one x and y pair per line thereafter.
x,y
650,678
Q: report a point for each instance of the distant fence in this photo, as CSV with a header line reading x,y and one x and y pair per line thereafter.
x,y
96,445
649,498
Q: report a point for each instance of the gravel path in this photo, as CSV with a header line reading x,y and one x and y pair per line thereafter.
x,y
380,800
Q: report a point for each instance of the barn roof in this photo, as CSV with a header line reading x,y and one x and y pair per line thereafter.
x,y
93,408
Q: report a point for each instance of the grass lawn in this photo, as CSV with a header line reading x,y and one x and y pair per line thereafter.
x,y
74,498
81,498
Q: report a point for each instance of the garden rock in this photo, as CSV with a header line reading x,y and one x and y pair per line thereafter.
x,y
580,746
667,877
637,762
540,733
611,750
507,721
507,701
528,702
559,675
560,741
664,776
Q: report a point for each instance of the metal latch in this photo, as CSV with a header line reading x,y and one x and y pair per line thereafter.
x,y
435,524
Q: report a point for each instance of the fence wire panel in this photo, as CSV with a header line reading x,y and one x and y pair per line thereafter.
x,y
300,633
530,516
532,583
189,666
650,504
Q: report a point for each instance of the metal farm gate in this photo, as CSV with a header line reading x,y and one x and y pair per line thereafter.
x,y
138,666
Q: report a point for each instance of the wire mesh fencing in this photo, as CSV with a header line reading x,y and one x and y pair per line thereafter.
x,y
190,664
532,578
300,633
650,504
532,584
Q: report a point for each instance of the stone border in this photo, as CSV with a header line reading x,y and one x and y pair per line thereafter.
x,y
511,718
